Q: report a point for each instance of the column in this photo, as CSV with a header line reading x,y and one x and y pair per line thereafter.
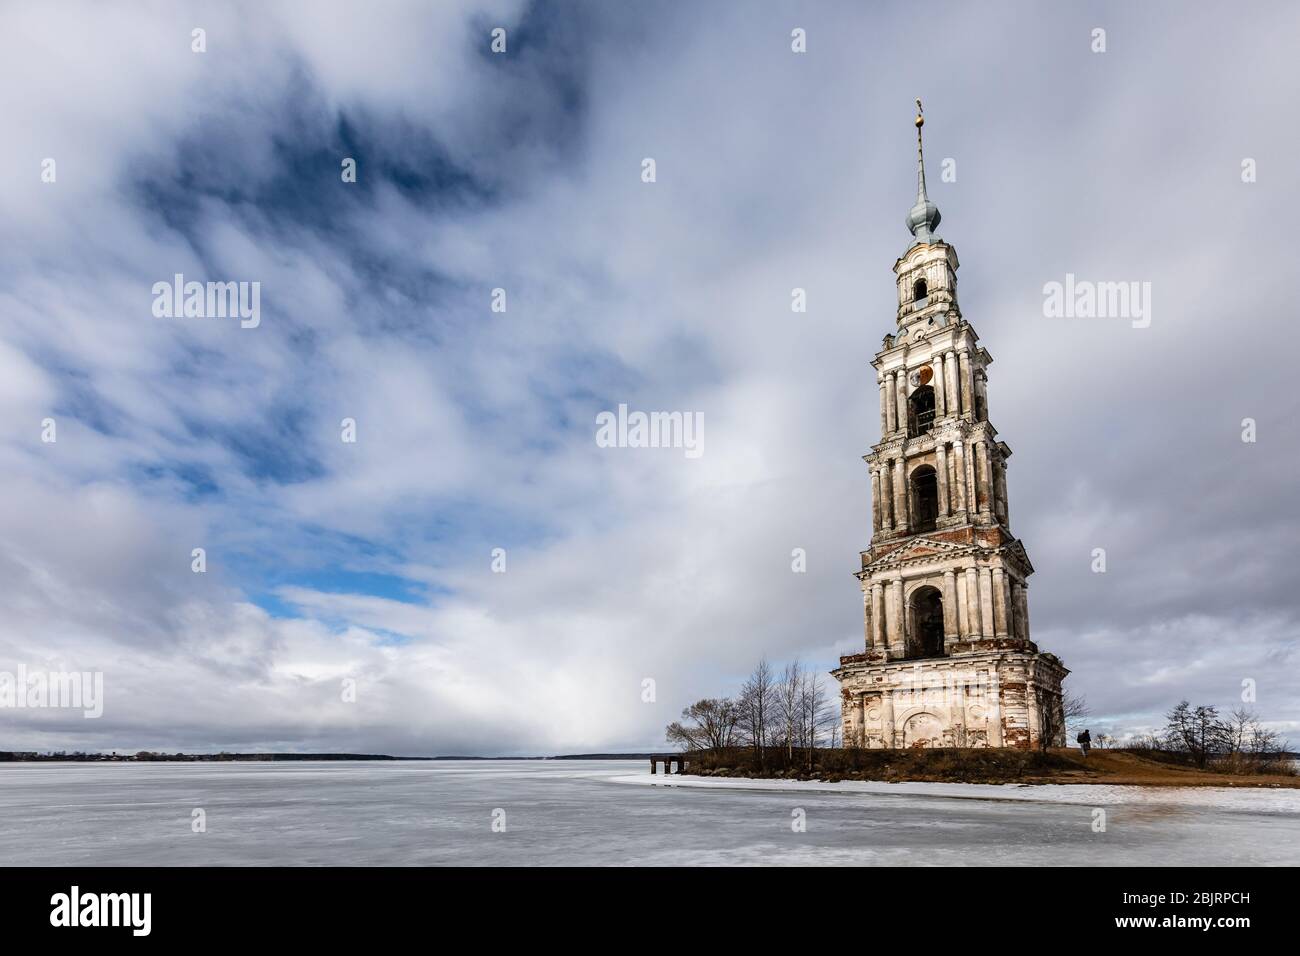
x,y
986,603
940,393
1001,605
995,710
988,473
1008,603
886,497
972,503
901,522
984,479
875,500
1022,611
950,372
949,606
895,628
904,628
860,716
891,405
879,639
1031,704
941,473
901,608
887,716
959,467
884,405
866,616
963,616
967,384
957,714
973,603
901,378
1003,498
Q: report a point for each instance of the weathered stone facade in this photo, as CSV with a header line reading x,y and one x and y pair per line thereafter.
x,y
948,658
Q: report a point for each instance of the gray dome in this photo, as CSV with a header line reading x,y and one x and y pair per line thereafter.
x,y
923,220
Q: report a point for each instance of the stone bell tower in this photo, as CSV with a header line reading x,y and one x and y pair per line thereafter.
x,y
948,659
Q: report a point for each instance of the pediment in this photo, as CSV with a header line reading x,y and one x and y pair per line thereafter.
x,y
917,549
1017,551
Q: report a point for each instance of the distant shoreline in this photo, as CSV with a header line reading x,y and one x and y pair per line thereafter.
x,y
13,756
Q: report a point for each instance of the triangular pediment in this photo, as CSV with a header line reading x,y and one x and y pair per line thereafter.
x,y
1017,551
919,548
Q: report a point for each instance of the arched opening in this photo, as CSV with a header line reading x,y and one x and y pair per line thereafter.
x,y
926,639
925,498
919,292
920,411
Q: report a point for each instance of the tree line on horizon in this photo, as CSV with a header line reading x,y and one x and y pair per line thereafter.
x,y
1236,743
788,711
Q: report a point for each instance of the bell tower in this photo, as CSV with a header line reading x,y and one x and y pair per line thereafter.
x,y
948,658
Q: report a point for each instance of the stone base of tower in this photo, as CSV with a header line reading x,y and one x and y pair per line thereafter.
x,y
981,696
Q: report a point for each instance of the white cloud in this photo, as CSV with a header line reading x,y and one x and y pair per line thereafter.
x,y
476,429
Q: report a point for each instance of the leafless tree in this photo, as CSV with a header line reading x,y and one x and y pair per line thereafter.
x,y
818,716
757,706
789,705
1199,732
712,725
1059,716
1074,708
1244,734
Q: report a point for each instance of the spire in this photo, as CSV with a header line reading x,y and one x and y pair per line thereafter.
x,y
924,217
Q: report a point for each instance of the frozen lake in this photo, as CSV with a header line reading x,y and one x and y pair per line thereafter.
x,y
605,812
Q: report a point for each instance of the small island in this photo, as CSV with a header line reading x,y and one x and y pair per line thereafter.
x,y
775,728
1120,767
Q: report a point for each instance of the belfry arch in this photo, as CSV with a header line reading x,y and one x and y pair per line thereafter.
x,y
925,623
925,498
920,411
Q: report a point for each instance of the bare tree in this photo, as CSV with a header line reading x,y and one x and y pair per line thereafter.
x,y
1236,730
1074,708
1244,734
712,725
1059,715
757,706
789,704
816,714
1200,733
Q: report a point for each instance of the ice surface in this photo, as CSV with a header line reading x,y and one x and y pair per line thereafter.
x,y
1252,799
606,812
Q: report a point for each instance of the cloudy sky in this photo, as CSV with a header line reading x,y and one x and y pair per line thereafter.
x,y
372,561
